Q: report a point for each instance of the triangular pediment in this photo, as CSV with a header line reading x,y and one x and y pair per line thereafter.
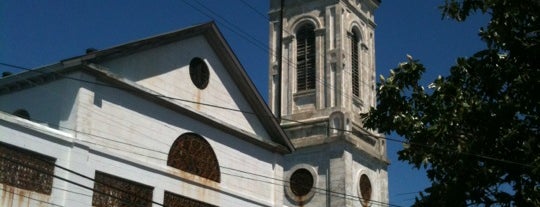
x,y
162,64
159,68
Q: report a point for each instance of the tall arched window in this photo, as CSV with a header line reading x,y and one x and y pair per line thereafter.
x,y
192,153
355,64
305,58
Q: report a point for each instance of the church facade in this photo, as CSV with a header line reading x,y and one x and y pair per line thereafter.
x,y
174,120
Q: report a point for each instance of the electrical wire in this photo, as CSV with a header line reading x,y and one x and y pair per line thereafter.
x,y
231,169
320,190
29,197
324,83
76,183
300,122
261,14
252,40
255,10
232,109
281,182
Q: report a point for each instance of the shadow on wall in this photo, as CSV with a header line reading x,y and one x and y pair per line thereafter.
x,y
50,103
164,113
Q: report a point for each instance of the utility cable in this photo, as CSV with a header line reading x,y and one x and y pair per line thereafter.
x,y
300,122
343,195
235,29
76,183
29,197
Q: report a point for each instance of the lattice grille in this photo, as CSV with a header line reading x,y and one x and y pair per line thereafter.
x,y
305,58
25,169
112,191
192,153
174,200
355,65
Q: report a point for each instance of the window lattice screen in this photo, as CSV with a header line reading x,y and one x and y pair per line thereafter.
x,y
112,191
192,153
27,170
174,200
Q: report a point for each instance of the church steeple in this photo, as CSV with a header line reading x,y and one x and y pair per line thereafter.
x,y
328,61
327,80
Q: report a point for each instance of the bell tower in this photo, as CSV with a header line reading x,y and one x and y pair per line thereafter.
x,y
326,80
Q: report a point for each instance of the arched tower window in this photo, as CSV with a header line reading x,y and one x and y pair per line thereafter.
x,y
355,63
192,153
305,58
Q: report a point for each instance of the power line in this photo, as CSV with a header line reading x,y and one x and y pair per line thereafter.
x,y
334,193
480,156
296,121
319,189
76,183
255,9
319,80
29,197
303,123
282,182
44,201
154,94
291,120
220,166
252,40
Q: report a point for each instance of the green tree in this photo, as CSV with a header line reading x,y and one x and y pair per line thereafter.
x,y
475,131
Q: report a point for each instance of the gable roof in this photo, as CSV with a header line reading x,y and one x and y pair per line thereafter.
x,y
211,33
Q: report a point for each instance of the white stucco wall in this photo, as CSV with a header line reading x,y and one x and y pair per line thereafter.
x,y
337,169
44,140
122,134
165,69
52,103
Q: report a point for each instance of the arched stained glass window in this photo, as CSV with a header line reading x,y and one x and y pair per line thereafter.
x,y
305,58
192,153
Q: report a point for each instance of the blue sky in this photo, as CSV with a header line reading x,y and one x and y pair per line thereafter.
x,y
37,33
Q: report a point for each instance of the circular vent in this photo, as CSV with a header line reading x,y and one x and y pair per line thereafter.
x,y
301,182
199,73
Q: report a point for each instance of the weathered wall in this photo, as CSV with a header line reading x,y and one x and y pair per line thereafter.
x,y
338,169
165,69
46,141
122,134
333,21
328,136
52,103
145,131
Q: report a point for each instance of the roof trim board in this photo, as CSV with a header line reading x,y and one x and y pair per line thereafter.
x,y
90,63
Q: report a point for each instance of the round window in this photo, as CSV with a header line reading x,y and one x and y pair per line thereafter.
x,y
365,189
301,182
199,73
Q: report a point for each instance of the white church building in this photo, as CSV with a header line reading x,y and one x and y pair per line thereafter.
x,y
174,120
